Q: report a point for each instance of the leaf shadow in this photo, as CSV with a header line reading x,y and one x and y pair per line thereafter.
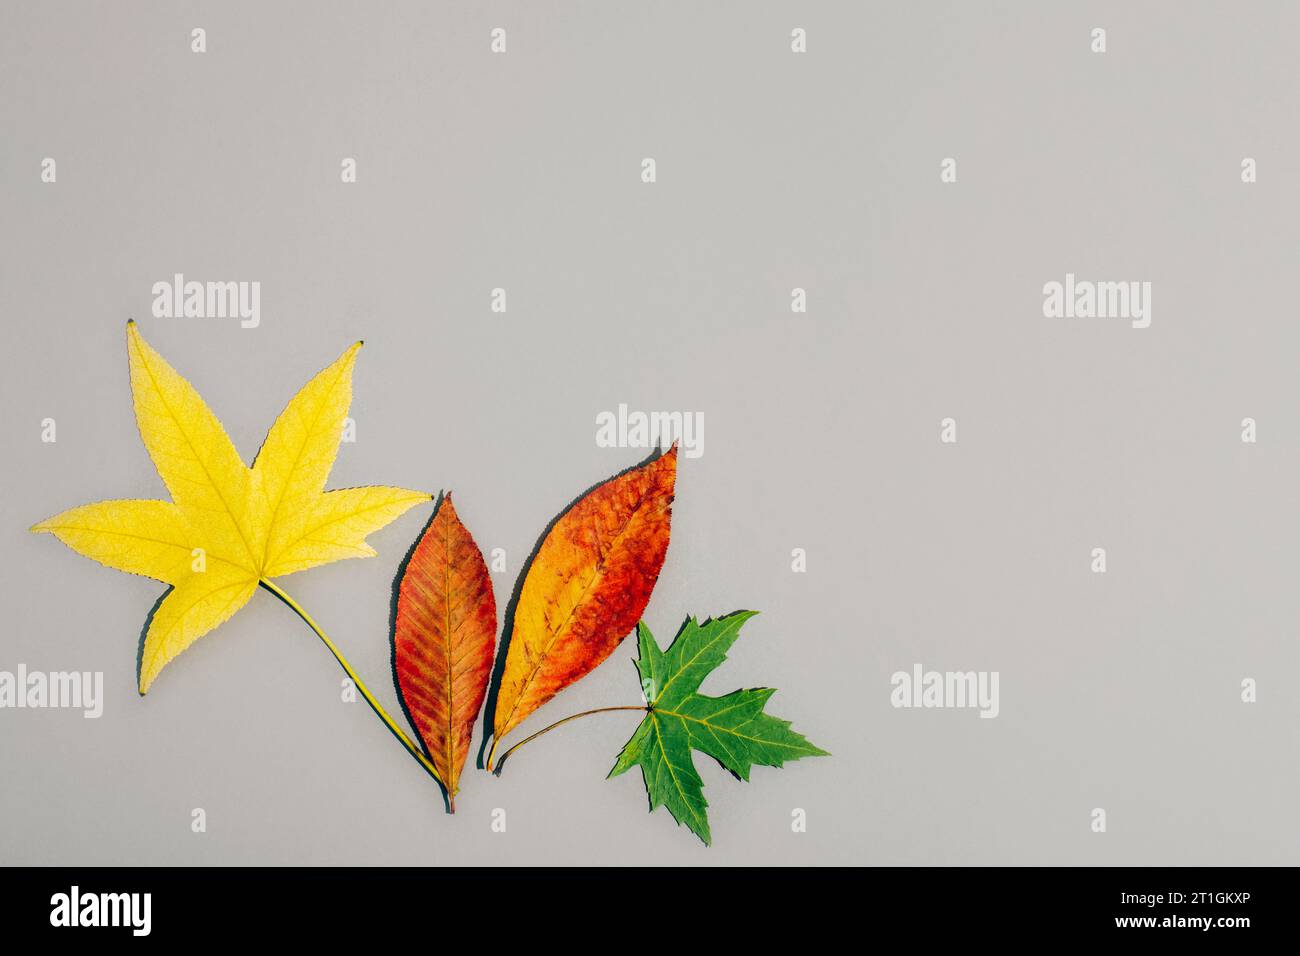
x,y
144,633
392,641
508,621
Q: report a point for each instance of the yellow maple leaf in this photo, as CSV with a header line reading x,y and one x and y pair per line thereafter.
x,y
228,527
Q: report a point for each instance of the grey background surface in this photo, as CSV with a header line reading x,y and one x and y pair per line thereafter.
x,y
775,170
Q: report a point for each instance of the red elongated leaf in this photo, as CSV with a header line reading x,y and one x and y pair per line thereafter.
x,y
586,587
443,639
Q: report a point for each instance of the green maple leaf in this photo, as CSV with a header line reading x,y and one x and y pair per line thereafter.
x,y
731,729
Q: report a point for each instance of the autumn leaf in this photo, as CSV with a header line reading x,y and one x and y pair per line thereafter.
x,y
586,587
228,527
444,633
732,729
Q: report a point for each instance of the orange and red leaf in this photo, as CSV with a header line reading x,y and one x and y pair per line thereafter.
x,y
586,587
444,635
